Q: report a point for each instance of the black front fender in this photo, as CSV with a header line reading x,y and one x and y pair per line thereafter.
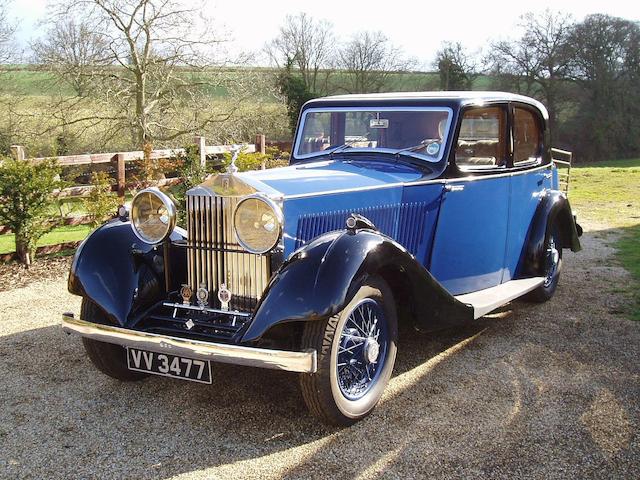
x,y
120,273
321,278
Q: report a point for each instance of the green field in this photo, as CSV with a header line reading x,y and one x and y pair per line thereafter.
x,y
607,196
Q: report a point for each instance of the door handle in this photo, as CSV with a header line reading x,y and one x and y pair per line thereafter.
x,y
547,175
453,188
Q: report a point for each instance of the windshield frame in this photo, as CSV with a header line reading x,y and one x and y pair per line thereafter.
x,y
391,151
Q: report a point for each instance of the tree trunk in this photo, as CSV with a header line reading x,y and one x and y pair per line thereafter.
x,y
140,108
25,253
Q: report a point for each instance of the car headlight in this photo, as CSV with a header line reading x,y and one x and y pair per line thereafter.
x,y
153,215
257,223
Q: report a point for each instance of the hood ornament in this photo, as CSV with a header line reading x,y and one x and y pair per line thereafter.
x,y
235,150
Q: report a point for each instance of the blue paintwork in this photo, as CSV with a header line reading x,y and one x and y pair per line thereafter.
x,y
406,215
470,240
329,175
526,191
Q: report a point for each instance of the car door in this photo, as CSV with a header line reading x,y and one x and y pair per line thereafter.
x,y
528,181
470,240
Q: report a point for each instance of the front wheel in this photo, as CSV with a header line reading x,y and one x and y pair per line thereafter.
x,y
356,353
110,359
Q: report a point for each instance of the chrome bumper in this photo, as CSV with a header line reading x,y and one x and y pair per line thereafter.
x,y
218,352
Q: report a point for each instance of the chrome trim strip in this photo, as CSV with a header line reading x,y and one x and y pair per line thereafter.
x,y
305,362
419,182
231,313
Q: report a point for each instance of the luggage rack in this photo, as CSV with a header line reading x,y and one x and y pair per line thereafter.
x,y
562,160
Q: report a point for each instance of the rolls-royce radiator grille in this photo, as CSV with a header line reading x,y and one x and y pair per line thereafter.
x,y
214,256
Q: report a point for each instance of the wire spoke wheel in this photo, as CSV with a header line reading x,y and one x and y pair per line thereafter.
x,y
356,354
552,261
362,349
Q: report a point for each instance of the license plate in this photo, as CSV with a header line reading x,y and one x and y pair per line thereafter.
x,y
169,365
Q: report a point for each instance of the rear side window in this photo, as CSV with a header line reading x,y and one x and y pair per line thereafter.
x,y
526,136
482,139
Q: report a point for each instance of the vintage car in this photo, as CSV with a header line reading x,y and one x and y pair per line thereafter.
x,y
425,209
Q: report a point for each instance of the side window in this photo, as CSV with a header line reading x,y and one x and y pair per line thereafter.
x,y
526,136
482,140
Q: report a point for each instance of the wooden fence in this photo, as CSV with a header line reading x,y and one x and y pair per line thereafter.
x,y
119,161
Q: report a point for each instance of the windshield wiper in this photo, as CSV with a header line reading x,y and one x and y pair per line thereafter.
x,y
338,149
417,147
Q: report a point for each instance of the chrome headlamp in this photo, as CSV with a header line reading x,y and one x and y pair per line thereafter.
x,y
153,215
257,223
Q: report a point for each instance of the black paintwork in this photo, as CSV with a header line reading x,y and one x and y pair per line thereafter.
x,y
320,279
554,208
121,274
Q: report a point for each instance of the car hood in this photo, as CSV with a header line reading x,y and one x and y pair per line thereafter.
x,y
320,177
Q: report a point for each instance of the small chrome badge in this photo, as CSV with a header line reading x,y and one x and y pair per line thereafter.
x,y
224,295
202,295
189,324
186,293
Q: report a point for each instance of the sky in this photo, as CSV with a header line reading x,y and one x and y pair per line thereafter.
x,y
418,27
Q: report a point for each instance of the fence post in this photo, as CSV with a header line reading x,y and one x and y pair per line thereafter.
x,y
17,151
121,174
261,144
202,149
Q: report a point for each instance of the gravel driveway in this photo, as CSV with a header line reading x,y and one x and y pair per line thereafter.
x,y
534,391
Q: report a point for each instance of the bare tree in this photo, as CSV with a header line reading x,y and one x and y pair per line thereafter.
x,y
457,67
7,29
369,58
538,62
73,51
307,43
162,58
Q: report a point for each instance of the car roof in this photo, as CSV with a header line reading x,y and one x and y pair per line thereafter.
x,y
463,98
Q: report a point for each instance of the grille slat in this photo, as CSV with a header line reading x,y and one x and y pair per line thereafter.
x,y
215,257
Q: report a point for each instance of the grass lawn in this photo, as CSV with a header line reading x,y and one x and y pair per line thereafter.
x,y
58,235
608,193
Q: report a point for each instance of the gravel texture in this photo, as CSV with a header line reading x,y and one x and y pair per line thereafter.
x,y
533,391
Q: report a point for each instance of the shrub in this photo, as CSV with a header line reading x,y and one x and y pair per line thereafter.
x,y
255,161
192,174
26,201
101,202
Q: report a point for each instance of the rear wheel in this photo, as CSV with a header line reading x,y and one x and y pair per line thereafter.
x,y
356,353
551,269
110,359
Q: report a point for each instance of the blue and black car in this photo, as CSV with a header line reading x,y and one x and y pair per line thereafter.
x,y
430,209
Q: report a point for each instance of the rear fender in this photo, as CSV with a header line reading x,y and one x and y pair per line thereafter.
x,y
320,279
553,209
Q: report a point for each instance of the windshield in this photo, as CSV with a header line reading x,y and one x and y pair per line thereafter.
x,y
416,131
